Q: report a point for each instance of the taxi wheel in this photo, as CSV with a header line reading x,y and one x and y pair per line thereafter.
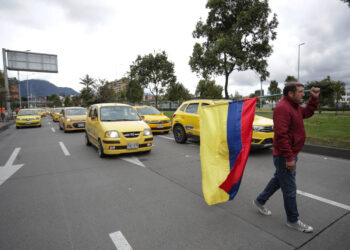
x,y
87,141
100,149
179,134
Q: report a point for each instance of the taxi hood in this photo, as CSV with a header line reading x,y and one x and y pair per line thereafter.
x,y
125,126
154,117
262,121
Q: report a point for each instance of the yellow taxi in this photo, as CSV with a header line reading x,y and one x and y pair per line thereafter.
x,y
72,118
28,118
116,129
56,113
185,123
42,112
157,121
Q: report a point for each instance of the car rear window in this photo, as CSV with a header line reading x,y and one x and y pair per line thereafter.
x,y
183,107
192,108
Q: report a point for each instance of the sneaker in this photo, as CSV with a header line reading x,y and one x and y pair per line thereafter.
x,y
300,226
263,210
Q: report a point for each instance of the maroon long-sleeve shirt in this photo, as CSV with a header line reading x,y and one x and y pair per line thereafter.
x,y
289,128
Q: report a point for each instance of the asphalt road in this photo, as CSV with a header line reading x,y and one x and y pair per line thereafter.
x,y
63,196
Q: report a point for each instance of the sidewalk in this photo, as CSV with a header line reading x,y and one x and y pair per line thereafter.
x,y
4,125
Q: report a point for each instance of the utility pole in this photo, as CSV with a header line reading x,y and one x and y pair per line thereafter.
x,y
299,58
8,96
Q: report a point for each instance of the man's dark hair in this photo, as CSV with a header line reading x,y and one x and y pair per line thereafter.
x,y
291,86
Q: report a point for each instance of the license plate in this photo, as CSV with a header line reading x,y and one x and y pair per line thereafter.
x,y
28,123
132,145
81,125
160,126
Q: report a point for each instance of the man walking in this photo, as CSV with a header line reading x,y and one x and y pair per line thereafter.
x,y
288,140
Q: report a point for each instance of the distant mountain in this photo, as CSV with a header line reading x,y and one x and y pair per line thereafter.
x,y
39,88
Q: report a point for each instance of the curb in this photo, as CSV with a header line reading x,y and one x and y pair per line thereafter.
x,y
327,151
4,127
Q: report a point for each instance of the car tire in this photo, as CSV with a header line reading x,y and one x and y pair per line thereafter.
x,y
100,149
87,141
179,134
17,127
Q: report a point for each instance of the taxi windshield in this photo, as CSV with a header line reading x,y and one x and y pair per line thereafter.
x,y
75,111
148,111
118,113
27,112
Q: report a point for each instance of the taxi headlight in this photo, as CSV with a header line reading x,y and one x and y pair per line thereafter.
x,y
68,119
147,132
112,134
258,128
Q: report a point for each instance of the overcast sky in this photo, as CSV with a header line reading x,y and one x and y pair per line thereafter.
x,y
103,37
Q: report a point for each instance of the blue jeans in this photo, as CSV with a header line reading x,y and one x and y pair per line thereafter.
x,y
284,179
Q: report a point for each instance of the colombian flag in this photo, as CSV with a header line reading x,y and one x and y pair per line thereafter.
x,y
226,133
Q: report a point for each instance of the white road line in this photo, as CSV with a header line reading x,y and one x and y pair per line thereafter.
x,y
8,170
166,137
337,204
119,241
133,160
53,130
64,149
49,123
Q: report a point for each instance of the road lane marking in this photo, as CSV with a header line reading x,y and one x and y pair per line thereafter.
x,y
49,123
133,160
64,149
53,130
166,137
119,241
8,169
337,204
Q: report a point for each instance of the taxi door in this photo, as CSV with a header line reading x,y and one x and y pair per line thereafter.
x,y
191,121
92,125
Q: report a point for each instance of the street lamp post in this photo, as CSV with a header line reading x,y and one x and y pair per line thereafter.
x,y
19,91
300,44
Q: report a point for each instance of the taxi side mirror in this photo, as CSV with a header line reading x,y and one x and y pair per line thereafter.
x,y
93,118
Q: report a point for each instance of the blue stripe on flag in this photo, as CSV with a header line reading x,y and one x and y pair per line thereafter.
x,y
234,141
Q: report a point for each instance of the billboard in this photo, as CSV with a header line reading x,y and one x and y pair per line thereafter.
x,y
30,61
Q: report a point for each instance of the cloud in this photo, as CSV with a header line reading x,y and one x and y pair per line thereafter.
x,y
40,14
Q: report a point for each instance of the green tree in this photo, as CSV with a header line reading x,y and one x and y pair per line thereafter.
x,y
105,91
291,79
177,92
87,96
208,89
346,1
134,91
67,101
274,89
237,36
88,81
326,92
153,72
54,101
338,91
76,101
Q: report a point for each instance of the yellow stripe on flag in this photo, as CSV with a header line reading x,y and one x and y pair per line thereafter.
x,y
214,152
